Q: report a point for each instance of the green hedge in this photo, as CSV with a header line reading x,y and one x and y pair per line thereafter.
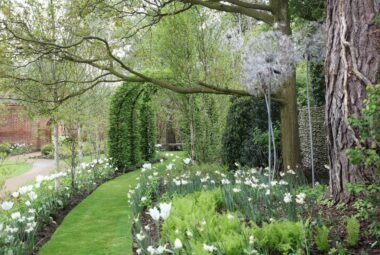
x,y
132,126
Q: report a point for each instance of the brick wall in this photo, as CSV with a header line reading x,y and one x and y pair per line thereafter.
x,y
17,127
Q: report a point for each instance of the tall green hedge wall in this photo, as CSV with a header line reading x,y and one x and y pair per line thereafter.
x,y
132,132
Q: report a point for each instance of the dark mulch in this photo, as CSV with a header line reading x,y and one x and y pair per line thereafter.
x,y
337,219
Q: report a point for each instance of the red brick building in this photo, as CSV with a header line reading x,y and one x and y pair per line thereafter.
x,y
17,127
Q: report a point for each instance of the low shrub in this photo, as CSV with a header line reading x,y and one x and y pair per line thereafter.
x,y
5,149
47,150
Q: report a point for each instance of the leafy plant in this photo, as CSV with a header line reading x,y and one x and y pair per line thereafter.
x,y
368,126
47,150
353,228
322,238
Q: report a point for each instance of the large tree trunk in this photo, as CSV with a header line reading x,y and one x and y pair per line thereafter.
x,y
351,64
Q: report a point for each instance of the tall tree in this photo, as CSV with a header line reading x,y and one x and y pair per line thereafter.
x,y
91,34
352,63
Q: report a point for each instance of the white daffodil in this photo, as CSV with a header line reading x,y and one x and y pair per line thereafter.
x,y
140,236
177,244
16,215
209,248
300,198
287,198
32,196
6,205
15,194
187,161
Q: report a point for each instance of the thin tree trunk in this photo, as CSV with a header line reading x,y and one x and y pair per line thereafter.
x,y
80,144
351,64
192,128
290,143
56,151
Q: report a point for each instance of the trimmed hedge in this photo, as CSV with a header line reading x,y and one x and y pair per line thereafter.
x,y
244,140
132,126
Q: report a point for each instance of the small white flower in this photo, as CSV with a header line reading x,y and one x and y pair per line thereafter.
x,y
147,166
143,199
28,203
189,233
300,198
267,192
32,196
15,194
187,161
7,205
225,181
287,198
16,215
165,210
209,248
236,190
177,244
282,174
154,213
169,166
230,216
252,240
140,236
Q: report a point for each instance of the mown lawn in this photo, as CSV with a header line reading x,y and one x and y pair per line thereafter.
x,y
100,224
10,168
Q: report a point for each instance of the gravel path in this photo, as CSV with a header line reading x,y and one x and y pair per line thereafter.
x,y
39,167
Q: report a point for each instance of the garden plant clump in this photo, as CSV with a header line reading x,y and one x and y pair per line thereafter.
x,y
198,209
25,212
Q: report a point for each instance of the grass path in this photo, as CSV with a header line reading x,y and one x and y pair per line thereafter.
x,y
98,225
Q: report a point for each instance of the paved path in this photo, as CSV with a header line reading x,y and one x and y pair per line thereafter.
x,y
39,167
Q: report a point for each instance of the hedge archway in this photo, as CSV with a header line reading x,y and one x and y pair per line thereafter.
x,y
132,129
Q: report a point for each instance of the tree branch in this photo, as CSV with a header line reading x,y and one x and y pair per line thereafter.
x,y
253,13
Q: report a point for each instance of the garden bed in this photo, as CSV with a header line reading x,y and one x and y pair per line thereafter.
x,y
261,213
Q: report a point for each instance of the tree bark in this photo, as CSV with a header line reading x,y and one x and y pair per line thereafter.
x,y
56,151
352,62
290,142
80,144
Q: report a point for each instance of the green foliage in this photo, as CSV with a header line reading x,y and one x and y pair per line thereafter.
x,y
147,127
317,84
132,131
285,237
200,213
311,10
368,126
4,149
353,229
124,139
47,149
367,208
244,137
322,238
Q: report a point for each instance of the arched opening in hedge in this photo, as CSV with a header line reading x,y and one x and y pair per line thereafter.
x,y
132,132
